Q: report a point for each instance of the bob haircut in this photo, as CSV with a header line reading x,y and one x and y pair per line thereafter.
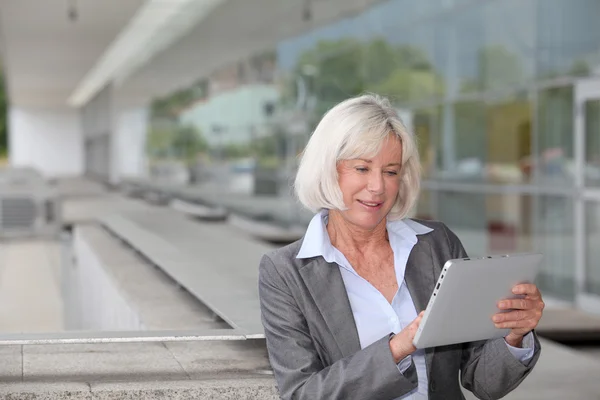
x,y
355,128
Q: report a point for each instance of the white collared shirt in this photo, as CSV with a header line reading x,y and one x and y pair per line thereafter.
x,y
374,316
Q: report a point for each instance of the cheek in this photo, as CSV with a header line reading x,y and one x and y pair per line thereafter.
x,y
392,188
350,184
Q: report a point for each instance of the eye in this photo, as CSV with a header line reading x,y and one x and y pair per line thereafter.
x,y
361,169
392,173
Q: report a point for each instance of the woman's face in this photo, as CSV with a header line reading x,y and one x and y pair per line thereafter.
x,y
370,186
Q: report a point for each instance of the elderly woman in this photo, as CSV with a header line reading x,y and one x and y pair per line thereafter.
x,y
341,307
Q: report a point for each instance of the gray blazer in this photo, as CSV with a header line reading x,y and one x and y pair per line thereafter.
x,y
314,347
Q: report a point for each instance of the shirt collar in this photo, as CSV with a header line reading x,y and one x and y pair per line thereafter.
x,y
316,240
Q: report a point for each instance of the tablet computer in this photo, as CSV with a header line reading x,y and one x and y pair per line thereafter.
x,y
466,295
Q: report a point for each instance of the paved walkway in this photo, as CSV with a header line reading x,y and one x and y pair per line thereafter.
x,y
30,298
561,374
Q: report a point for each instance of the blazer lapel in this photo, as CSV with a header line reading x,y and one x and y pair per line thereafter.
x,y
326,286
420,280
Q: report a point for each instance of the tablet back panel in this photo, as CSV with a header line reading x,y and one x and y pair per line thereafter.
x,y
466,295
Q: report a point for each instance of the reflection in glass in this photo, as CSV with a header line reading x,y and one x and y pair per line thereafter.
x,y
509,223
592,142
425,208
592,234
425,125
464,143
490,142
555,163
490,45
489,224
465,214
507,57
496,224
466,39
453,69
567,37
554,230
509,141
401,69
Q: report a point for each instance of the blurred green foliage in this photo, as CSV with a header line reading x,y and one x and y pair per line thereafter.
x,y
185,143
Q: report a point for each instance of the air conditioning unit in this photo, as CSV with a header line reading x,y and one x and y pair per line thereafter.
x,y
28,204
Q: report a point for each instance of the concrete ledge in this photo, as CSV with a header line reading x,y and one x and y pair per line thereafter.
x,y
569,325
158,301
229,389
187,370
45,391
228,371
11,367
199,211
267,231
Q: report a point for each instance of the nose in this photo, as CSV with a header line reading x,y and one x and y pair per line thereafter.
x,y
375,185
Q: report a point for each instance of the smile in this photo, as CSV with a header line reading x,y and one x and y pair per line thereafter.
x,y
370,204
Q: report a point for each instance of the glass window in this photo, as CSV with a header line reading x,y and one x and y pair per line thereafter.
x,y
399,64
568,37
509,227
555,161
465,214
337,71
506,58
486,46
463,37
509,140
592,142
487,142
495,224
463,141
554,239
489,223
592,230
425,208
426,125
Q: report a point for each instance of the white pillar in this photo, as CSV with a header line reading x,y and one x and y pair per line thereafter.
x,y
49,140
129,143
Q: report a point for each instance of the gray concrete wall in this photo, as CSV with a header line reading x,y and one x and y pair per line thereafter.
x,y
110,287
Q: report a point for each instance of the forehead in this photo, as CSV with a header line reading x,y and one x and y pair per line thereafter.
x,y
389,150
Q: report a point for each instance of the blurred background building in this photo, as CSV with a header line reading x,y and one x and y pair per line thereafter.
x,y
202,107
502,95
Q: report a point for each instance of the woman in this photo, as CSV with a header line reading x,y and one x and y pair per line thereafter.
x,y
340,307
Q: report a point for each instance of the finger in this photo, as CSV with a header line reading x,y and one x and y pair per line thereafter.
x,y
528,289
523,324
417,320
518,315
516,304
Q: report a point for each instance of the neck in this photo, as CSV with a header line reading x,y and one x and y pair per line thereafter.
x,y
344,235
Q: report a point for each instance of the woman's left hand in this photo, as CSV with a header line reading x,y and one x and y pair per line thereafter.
x,y
525,313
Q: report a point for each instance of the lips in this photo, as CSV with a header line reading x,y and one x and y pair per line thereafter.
x,y
371,204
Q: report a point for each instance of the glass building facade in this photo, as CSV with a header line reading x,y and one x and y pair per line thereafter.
x,y
503,96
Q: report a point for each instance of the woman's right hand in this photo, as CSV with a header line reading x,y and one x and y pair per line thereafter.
x,y
402,343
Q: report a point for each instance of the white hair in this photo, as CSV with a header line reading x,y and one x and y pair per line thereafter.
x,y
355,128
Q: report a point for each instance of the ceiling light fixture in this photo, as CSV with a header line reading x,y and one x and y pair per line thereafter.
x,y
154,27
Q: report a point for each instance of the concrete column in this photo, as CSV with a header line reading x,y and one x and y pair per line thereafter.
x,y
49,140
128,150
97,123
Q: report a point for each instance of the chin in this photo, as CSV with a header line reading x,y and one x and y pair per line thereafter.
x,y
368,222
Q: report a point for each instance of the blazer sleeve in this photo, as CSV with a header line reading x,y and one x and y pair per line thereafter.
x,y
488,368
371,373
